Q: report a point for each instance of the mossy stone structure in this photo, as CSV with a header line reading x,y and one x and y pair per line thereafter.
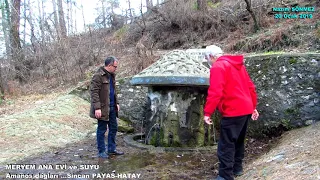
x,y
177,87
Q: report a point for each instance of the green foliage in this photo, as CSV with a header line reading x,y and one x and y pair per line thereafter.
x,y
195,6
318,33
286,123
273,52
293,61
317,24
1,98
89,75
213,5
120,33
121,81
291,111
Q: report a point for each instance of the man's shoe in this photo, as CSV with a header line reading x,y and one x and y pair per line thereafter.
x,y
238,173
116,153
103,155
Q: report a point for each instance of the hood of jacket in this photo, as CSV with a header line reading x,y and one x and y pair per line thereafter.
x,y
235,60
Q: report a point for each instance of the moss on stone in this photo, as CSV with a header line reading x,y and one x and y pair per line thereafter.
x,y
121,81
293,60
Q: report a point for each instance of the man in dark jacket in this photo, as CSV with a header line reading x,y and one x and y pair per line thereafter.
x,y
233,93
105,107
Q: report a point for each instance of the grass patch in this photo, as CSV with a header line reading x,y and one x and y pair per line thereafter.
x,y
43,127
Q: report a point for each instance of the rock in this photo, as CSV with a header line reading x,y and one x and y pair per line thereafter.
x,y
124,126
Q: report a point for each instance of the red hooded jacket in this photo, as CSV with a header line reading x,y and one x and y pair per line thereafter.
x,y
231,89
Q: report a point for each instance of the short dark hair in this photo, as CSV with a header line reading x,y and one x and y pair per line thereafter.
x,y
110,60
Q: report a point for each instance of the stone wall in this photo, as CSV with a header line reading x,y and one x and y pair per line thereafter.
x,y
132,101
288,90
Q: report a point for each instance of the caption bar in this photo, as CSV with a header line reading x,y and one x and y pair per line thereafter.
x,y
62,168
293,12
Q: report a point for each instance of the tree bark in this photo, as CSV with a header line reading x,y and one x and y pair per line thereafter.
x,y
202,5
33,38
104,21
55,18
41,22
16,50
84,21
1,85
249,9
15,24
5,26
24,23
149,5
62,23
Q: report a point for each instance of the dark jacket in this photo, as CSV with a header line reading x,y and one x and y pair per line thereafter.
x,y
99,91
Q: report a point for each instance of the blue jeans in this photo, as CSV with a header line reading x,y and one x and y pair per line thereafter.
x,y
102,128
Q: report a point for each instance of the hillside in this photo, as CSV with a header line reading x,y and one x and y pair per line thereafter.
x,y
42,124
174,25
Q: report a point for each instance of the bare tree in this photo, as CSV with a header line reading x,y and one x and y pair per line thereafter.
x,y
24,23
249,9
16,50
1,85
149,5
202,5
5,24
41,20
130,11
33,38
15,25
103,9
55,18
62,23
84,19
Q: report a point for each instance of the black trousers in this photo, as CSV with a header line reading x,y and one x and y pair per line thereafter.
x,y
231,145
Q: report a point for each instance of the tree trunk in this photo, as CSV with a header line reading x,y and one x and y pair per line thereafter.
x,y
1,86
24,23
15,24
33,38
149,5
70,18
55,18
104,14
5,26
62,23
84,21
202,5
75,22
249,9
16,50
41,22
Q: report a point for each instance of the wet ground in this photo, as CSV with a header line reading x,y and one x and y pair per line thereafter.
x,y
79,161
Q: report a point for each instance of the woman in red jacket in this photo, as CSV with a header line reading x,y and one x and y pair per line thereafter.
x,y
233,93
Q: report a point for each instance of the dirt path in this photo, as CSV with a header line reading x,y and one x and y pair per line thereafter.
x,y
150,165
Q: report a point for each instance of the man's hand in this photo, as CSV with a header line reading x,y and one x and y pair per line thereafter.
x,y
207,120
118,107
255,115
97,113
